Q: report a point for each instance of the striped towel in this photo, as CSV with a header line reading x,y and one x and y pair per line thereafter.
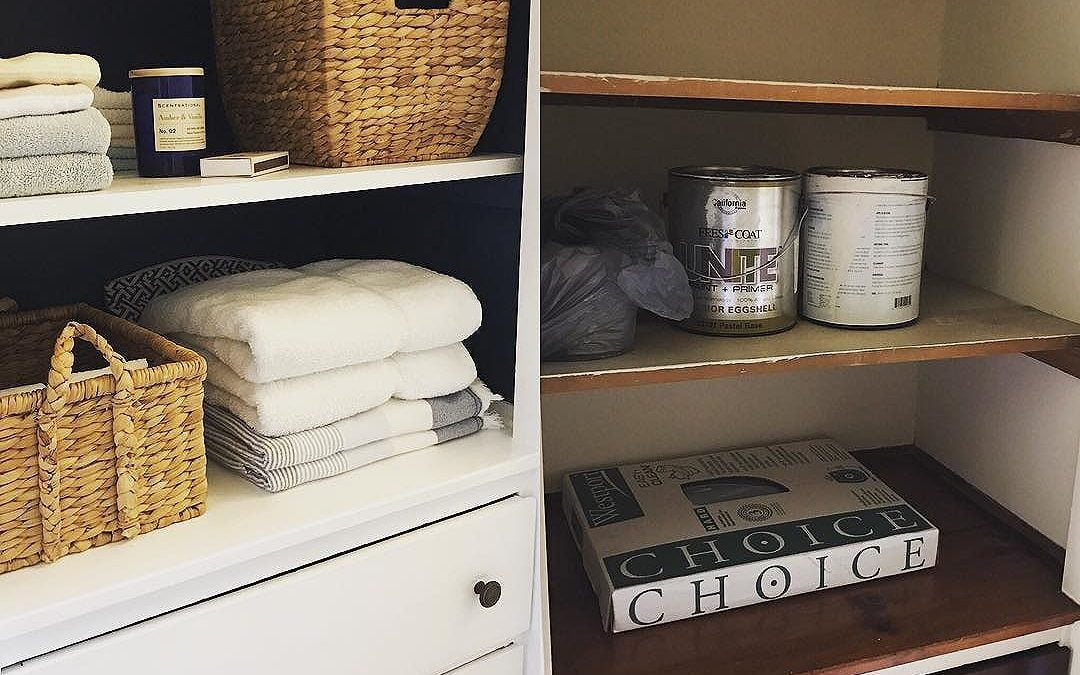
x,y
276,480
232,436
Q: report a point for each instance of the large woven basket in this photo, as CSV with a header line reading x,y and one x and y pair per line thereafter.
x,y
85,463
358,82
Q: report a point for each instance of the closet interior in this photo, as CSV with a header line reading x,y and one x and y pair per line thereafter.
x,y
968,413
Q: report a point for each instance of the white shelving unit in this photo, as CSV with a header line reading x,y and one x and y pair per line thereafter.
x,y
130,194
93,608
247,535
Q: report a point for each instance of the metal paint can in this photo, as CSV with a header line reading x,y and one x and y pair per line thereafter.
x,y
862,246
735,229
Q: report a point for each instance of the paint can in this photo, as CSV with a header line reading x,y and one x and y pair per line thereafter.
x,y
735,229
862,246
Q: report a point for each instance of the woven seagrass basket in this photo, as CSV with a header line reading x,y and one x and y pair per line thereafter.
x,y
85,463
359,82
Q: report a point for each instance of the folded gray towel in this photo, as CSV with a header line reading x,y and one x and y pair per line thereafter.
x,y
275,480
84,131
116,152
54,174
119,165
394,418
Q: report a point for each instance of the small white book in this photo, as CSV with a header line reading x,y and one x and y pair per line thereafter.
x,y
679,538
243,164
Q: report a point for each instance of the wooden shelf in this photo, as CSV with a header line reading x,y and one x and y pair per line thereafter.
x,y
710,89
132,194
995,579
245,535
956,321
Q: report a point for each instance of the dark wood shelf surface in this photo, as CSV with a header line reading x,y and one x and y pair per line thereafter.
x,y
955,321
995,579
712,89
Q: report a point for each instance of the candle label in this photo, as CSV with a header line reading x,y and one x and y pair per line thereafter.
x,y
179,124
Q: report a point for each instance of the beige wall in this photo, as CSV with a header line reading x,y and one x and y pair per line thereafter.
x,y
635,146
863,407
1008,425
846,41
1028,45
1008,218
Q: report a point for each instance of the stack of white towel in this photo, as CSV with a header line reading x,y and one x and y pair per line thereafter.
x,y
116,107
51,138
317,370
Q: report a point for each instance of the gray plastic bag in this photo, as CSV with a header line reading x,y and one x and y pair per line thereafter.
x,y
606,254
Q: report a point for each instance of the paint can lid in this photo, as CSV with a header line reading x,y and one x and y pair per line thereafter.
x,y
750,173
865,172
164,72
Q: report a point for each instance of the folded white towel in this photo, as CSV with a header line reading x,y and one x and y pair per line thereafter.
x,y
117,116
272,324
105,99
393,418
54,174
275,480
44,99
82,131
439,309
433,372
48,68
300,403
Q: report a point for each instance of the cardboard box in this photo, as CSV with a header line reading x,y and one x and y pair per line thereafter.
x,y
677,538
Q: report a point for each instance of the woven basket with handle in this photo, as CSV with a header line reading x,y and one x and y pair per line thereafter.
x,y
358,82
85,463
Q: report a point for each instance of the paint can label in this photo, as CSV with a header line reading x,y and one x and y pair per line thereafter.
x,y
862,254
730,239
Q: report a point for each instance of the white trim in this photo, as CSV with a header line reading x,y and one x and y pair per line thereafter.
x,y
993,650
131,194
49,606
527,384
1070,582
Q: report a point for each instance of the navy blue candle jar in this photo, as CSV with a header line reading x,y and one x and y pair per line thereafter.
x,y
169,107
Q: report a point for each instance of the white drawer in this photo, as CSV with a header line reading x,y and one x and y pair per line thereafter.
x,y
507,661
404,606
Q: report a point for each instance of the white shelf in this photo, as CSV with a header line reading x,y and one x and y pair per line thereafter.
x,y
244,528
131,194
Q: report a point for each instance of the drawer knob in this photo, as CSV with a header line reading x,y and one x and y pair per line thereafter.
x,y
489,592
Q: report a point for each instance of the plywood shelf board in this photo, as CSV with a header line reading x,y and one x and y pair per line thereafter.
x,y
994,580
131,194
956,321
668,87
